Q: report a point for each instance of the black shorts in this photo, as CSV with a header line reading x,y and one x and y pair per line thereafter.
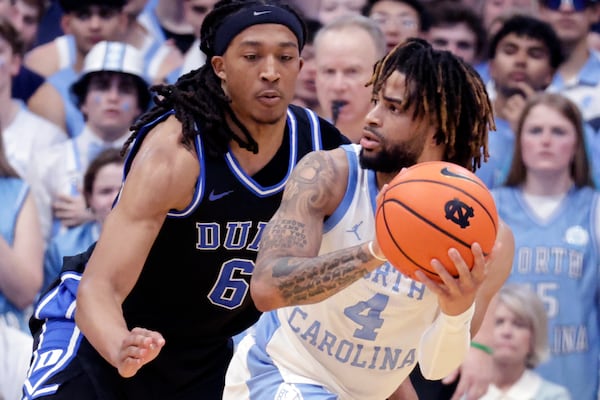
x,y
427,389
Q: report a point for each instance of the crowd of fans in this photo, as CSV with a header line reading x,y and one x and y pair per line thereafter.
x,y
75,75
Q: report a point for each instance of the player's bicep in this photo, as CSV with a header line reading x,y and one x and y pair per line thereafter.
x,y
296,228
155,185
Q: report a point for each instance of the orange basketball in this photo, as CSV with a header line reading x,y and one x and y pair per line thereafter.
x,y
430,208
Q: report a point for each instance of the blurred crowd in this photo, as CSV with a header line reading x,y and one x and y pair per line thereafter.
x,y
75,75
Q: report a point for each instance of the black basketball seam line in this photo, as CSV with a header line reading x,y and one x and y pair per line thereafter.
x,y
456,239
454,187
402,251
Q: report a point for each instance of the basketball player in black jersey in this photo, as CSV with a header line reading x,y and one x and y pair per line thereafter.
x,y
167,284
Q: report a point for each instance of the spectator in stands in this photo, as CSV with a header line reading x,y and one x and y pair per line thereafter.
x,y
195,11
490,10
523,57
328,10
520,343
111,93
345,52
23,133
21,248
398,19
554,211
306,89
101,184
162,59
27,17
15,353
458,29
85,22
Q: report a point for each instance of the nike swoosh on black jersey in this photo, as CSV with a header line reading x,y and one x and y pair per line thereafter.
x,y
212,196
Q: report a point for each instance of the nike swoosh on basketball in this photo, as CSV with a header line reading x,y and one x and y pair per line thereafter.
x,y
216,196
447,172
257,13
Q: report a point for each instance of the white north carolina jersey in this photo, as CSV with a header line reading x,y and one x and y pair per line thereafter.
x,y
362,342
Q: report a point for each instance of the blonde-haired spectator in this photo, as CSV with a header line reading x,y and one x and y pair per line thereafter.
x,y
520,343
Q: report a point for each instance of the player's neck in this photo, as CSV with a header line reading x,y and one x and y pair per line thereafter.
x,y
384,178
268,137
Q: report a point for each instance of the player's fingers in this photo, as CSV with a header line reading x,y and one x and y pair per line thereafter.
x,y
451,377
433,286
464,272
382,193
137,340
156,337
480,266
129,367
133,352
448,286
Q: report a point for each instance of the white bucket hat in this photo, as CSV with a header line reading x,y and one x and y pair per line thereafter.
x,y
108,56
114,56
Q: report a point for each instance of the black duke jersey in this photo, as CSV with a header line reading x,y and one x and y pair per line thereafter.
x,y
194,286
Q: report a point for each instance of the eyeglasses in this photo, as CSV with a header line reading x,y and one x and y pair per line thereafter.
x,y
399,20
577,5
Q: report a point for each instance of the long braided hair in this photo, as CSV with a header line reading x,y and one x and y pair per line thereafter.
x,y
445,91
198,100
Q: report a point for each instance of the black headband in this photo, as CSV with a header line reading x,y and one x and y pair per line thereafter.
x,y
259,14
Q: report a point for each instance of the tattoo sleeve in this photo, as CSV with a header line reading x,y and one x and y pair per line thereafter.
x,y
290,244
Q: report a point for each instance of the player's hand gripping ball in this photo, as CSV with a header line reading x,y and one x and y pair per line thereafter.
x,y
429,208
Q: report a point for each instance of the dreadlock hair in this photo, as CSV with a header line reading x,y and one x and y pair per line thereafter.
x,y
199,102
443,90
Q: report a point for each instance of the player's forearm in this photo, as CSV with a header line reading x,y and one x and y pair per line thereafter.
x,y
100,320
444,345
288,281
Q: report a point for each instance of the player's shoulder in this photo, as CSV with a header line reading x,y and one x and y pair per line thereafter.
x,y
330,136
161,135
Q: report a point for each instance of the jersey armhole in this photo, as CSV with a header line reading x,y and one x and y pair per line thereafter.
x,y
352,182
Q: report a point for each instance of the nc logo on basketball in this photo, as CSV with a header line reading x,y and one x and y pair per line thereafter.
x,y
458,212
425,211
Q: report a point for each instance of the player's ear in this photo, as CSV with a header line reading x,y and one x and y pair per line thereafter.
x,y
219,67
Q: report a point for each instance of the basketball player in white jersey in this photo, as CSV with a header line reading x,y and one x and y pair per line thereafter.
x,y
340,322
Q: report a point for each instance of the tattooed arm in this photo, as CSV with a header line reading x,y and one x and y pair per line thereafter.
x,y
288,270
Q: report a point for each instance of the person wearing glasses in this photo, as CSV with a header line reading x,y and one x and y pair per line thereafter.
x,y
329,10
398,19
